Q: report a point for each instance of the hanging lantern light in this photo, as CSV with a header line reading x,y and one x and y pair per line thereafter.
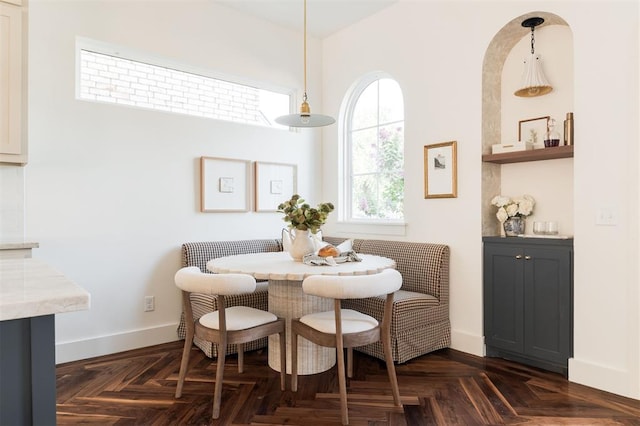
x,y
534,82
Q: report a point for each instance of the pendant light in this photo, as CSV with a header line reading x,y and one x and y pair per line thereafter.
x,y
305,118
534,83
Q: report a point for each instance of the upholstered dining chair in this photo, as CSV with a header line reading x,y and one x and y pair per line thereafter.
x,y
232,325
346,328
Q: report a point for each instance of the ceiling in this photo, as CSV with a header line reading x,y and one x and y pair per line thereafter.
x,y
324,17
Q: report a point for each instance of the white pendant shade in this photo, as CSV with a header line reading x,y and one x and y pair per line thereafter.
x,y
534,82
305,120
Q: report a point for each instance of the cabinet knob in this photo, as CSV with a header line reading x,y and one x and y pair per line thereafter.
x,y
527,258
518,256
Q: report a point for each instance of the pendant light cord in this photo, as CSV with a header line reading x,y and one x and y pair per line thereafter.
x,y
305,118
304,96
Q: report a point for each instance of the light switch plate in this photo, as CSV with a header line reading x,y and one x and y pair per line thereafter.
x,y
606,217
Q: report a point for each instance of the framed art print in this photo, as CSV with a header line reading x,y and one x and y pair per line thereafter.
x,y
440,170
274,183
533,130
224,185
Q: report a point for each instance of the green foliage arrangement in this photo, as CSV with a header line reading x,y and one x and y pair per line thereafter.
x,y
300,215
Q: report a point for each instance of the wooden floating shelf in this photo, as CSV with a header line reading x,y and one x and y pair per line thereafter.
x,y
565,151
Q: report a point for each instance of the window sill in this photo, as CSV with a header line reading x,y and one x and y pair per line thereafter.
x,y
370,228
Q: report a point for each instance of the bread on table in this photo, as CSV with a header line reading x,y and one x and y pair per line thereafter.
x,y
328,250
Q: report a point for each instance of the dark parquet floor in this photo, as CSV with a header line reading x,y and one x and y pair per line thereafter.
x,y
446,387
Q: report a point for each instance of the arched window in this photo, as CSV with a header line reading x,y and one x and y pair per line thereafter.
x,y
374,151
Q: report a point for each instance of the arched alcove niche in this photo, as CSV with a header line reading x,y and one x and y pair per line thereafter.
x,y
494,60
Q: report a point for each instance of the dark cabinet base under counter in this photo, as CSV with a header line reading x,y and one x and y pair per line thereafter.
x,y
528,300
28,371
31,294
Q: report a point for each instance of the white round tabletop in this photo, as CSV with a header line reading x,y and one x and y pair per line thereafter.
x,y
280,266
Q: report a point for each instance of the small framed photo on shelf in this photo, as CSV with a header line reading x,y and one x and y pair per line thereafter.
x,y
274,183
533,130
224,185
440,170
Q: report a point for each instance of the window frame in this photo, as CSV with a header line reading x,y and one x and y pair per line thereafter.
x,y
391,226
147,58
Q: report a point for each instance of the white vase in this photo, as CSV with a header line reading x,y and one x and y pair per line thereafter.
x,y
300,244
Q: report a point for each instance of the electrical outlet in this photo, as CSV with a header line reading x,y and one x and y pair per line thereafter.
x,y
149,303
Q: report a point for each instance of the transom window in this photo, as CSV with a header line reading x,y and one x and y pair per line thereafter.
x,y
109,77
374,151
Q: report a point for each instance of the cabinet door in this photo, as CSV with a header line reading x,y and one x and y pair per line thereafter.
x,y
10,79
547,308
503,297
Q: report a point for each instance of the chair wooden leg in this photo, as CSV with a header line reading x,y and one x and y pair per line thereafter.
x,y
217,393
294,360
184,363
240,348
391,369
283,359
342,381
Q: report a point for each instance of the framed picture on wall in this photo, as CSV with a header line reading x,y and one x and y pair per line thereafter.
x,y
224,185
440,170
274,183
533,130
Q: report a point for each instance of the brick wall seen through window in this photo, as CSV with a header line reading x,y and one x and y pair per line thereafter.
x,y
106,78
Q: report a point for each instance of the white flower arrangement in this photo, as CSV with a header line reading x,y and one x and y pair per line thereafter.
x,y
513,207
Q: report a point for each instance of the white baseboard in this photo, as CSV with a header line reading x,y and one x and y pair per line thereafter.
x,y
469,343
105,345
114,343
602,377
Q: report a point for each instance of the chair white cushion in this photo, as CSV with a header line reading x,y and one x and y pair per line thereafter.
x,y
353,286
238,318
352,321
193,280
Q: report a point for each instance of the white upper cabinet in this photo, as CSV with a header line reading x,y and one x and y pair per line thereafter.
x,y
12,142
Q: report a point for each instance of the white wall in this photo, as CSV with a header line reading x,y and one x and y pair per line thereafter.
x,y
435,50
11,204
607,325
438,79
112,192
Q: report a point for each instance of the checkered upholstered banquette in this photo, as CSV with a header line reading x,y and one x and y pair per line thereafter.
x,y
420,320
198,254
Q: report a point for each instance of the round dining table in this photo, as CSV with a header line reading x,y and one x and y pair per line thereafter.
x,y
287,300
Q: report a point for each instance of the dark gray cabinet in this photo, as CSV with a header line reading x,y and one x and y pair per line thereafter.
x,y
528,300
28,371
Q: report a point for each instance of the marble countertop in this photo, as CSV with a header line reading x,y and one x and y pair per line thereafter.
x,y
17,246
31,288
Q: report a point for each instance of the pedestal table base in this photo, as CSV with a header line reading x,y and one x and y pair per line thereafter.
x,y
287,300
